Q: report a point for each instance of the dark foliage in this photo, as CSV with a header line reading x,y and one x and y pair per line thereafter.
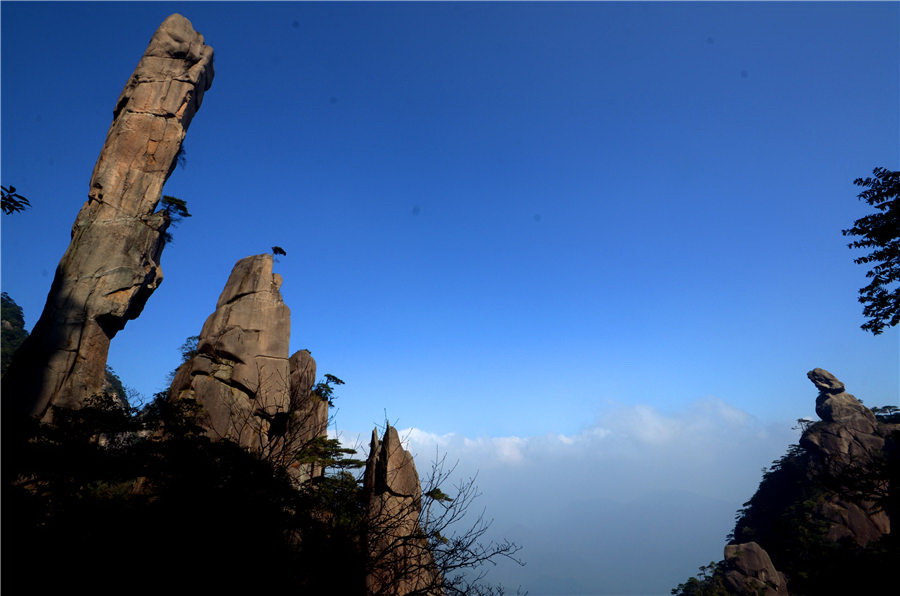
x,y
880,232
708,582
181,157
781,517
114,385
175,210
174,207
325,388
108,500
189,348
13,329
13,202
111,497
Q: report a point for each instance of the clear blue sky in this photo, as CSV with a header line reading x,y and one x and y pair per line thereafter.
x,y
501,219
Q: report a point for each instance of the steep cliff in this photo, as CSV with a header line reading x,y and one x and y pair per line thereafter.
x,y
821,519
112,264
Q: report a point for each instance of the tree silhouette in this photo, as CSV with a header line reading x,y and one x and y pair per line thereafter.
x,y
174,207
175,210
880,231
12,201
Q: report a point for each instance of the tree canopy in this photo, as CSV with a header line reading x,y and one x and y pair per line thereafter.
x,y
880,232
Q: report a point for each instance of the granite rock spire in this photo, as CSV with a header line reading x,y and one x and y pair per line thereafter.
x,y
399,559
112,264
240,375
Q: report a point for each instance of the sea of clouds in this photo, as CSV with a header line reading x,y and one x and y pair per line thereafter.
x,y
633,503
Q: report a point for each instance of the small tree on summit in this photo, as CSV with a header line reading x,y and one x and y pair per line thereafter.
x,y
880,231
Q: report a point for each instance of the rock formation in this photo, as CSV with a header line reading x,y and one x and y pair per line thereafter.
x,y
749,571
111,266
241,374
822,513
399,559
849,439
308,419
249,391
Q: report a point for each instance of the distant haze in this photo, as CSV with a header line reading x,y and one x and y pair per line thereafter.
x,y
631,504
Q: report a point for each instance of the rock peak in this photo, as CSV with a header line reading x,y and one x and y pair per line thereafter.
x,y
112,264
834,404
399,559
241,373
825,381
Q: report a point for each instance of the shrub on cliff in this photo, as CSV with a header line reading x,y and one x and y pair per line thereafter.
x,y
13,329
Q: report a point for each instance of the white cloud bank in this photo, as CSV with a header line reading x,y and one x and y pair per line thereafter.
x,y
632,504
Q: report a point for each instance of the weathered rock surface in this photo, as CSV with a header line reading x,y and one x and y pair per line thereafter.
x,y
399,559
308,419
834,404
849,439
749,571
111,266
822,514
241,374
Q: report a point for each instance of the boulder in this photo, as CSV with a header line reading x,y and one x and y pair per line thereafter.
x,y
112,264
749,571
834,404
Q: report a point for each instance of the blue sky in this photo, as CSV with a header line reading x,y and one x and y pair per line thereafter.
x,y
505,222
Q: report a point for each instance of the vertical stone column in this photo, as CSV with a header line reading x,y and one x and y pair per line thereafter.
x,y
241,374
111,266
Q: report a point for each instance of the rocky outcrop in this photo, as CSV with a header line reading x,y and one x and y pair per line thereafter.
x,y
398,555
749,571
846,443
240,375
848,429
823,511
112,264
308,420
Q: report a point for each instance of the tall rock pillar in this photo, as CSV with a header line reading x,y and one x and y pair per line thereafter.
x,y
399,560
112,264
241,374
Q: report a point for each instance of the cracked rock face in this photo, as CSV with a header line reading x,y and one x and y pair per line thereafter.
x,y
111,266
848,428
241,373
399,559
308,419
834,404
848,440
749,571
